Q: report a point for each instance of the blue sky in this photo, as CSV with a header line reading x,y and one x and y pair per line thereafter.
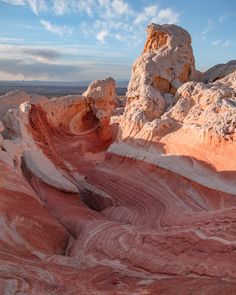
x,y
71,40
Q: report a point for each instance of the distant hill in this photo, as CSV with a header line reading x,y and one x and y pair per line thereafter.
x,y
120,83
52,88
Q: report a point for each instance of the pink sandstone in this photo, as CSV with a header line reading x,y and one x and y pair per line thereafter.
x,y
97,201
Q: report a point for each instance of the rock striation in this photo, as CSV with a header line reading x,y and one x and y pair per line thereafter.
x,y
94,200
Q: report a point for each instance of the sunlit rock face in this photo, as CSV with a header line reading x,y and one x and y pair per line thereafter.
x,y
165,64
97,201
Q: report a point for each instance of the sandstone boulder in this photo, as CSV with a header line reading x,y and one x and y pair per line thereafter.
x,y
165,64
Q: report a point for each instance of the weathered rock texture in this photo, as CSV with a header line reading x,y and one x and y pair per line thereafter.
x,y
14,99
144,203
166,63
219,71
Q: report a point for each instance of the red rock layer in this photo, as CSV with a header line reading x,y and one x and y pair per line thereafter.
x,y
64,148
160,233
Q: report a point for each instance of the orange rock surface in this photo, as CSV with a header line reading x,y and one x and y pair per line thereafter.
x,y
97,201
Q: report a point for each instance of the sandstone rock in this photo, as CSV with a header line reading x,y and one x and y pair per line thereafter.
x,y
37,132
148,211
219,71
166,63
100,96
190,124
43,168
1,130
13,99
1,127
211,106
228,80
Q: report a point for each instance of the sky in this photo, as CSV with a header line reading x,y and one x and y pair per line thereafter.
x,y
83,40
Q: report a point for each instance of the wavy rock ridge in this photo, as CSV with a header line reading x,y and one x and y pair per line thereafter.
x,y
94,201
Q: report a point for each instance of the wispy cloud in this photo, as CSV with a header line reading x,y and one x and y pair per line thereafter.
x,y
209,27
61,7
14,2
225,16
221,43
120,7
114,9
226,43
11,40
36,6
60,30
216,42
148,13
102,35
154,14
120,37
103,18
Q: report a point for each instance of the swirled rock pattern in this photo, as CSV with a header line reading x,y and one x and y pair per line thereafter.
x,y
97,201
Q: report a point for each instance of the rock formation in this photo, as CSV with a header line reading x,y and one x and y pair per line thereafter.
x,y
94,201
14,99
219,71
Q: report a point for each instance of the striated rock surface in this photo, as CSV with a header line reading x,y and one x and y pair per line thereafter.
x,y
97,201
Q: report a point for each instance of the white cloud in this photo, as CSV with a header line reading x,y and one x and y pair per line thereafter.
x,y
57,29
113,9
221,43
11,40
222,18
225,16
226,43
156,15
116,18
167,16
216,42
14,2
207,29
120,7
149,13
120,37
102,35
87,6
36,6
60,7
